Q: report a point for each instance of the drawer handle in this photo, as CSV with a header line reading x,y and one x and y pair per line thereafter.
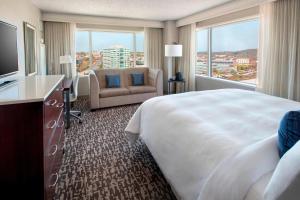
x,y
55,150
51,102
60,89
52,124
61,124
56,179
60,105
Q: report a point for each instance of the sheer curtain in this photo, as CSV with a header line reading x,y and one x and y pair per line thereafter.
x,y
154,48
60,41
279,56
187,38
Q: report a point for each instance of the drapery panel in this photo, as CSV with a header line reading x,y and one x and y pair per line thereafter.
x,y
59,41
279,52
187,38
154,48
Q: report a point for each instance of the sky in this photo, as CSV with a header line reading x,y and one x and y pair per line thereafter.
x,y
233,37
102,40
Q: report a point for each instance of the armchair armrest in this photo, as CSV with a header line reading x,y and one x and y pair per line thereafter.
x,y
156,80
94,90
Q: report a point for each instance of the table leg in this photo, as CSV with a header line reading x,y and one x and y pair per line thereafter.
x,y
168,87
67,109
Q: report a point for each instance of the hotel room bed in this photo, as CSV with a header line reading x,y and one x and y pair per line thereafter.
x,y
217,144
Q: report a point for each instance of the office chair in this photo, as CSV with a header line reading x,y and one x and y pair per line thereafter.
x,y
73,97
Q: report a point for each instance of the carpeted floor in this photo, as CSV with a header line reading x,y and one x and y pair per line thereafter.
x,y
99,163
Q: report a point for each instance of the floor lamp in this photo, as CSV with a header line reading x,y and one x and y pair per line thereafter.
x,y
172,51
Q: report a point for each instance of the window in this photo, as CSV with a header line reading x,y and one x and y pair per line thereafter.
x,y
232,50
139,49
103,49
82,51
202,53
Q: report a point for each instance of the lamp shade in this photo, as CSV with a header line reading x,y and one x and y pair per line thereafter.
x,y
174,50
67,59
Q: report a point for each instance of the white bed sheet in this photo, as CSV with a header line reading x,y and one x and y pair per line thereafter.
x,y
191,134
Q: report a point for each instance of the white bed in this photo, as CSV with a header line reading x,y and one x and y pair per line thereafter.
x,y
213,145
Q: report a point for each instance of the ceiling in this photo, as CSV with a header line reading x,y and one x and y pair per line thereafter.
x,y
139,9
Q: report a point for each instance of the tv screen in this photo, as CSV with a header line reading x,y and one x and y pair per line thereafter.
x,y
8,49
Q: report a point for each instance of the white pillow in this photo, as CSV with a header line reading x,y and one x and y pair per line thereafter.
x,y
285,182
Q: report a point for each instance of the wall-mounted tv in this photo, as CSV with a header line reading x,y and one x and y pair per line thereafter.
x,y
8,49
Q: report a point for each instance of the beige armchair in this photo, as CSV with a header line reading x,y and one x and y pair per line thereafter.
x,y
101,96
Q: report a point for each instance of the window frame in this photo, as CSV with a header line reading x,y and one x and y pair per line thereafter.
x,y
90,31
209,46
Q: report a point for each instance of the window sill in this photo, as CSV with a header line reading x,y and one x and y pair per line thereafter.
x,y
227,81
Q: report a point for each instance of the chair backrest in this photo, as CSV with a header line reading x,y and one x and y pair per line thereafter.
x,y
124,75
101,73
129,71
74,89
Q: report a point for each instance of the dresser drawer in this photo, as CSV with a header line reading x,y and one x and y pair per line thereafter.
x,y
50,185
53,107
53,145
53,159
52,177
56,96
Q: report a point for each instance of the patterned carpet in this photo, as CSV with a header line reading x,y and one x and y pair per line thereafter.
x,y
99,163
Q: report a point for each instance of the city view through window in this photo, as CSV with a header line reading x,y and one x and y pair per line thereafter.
x,y
108,50
233,51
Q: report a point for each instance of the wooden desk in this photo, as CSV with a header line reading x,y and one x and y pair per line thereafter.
x,y
67,84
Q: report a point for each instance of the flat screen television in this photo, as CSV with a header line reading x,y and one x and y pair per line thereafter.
x,y
8,49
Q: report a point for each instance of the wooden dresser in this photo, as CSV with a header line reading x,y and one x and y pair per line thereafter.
x,y
31,137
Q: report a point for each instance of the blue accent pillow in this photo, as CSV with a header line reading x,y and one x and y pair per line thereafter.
x,y
112,81
289,131
137,79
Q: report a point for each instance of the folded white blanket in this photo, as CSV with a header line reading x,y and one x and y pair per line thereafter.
x,y
235,175
197,138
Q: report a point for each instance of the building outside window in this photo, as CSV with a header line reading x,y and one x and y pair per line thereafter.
x,y
229,51
104,49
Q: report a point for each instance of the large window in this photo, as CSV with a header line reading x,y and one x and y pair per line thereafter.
x,y
202,52
229,51
83,61
100,49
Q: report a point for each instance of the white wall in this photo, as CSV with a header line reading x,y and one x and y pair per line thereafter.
x,y
16,12
98,20
207,83
230,18
224,9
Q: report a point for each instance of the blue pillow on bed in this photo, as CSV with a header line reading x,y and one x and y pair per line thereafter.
x,y
289,131
137,79
112,81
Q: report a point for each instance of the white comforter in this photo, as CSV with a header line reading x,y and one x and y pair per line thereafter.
x,y
212,145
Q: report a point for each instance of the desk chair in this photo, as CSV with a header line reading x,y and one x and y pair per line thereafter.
x,y
73,97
